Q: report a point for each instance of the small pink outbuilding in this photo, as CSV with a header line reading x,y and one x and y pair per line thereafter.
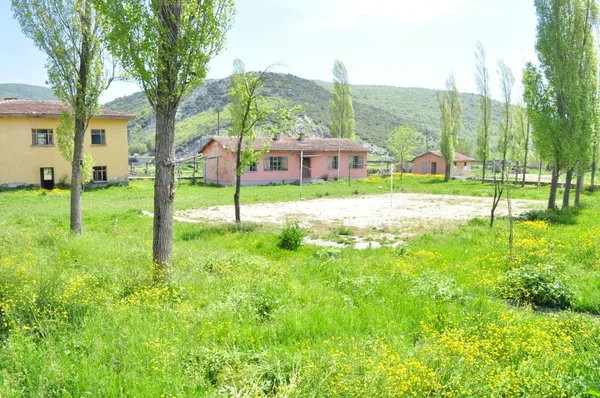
x,y
282,163
433,163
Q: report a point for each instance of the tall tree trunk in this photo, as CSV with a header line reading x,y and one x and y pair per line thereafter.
x,y
80,112
503,167
164,191
77,179
238,183
592,182
483,172
567,192
447,173
525,158
553,188
578,188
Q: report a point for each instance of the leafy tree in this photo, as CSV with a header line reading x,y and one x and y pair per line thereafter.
x,y
522,138
484,130
507,82
165,46
403,142
451,122
446,141
67,31
249,109
342,121
342,118
561,92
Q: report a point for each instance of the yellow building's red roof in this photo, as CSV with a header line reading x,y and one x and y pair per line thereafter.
x,y
48,109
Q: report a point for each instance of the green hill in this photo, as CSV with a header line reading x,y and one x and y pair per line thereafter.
x,y
378,109
25,92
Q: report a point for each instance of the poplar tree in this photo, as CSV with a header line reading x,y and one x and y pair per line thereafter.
x,y
451,122
561,93
484,130
68,32
507,82
165,46
522,138
342,120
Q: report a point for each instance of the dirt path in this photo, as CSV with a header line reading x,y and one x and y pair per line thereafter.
x,y
374,211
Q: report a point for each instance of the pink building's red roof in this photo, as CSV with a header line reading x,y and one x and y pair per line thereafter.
x,y
458,157
293,145
48,109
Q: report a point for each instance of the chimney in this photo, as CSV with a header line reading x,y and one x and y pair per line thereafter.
x,y
10,99
301,137
276,137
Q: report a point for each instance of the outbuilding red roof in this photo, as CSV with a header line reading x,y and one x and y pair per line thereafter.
x,y
48,109
458,157
294,145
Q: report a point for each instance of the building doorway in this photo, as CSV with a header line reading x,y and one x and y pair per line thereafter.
x,y
433,167
305,168
47,177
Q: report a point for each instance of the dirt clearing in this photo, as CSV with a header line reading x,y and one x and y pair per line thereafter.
x,y
406,212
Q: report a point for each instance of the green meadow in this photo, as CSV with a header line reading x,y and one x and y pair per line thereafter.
x,y
452,313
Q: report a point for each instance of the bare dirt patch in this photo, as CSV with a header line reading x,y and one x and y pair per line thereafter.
x,y
404,215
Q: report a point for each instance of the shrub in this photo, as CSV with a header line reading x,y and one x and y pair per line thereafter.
x,y
536,284
291,236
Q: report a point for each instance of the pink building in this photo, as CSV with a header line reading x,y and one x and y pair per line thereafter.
x,y
281,164
433,163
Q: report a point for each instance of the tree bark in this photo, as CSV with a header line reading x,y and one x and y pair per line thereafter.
x,y
238,183
593,178
578,188
77,179
81,113
447,173
526,153
567,192
553,188
483,172
164,191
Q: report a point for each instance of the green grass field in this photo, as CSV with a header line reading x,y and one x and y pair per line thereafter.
x,y
445,315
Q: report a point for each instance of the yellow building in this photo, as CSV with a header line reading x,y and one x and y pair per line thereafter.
x,y
28,149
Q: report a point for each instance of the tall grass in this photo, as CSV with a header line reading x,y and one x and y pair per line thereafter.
x,y
242,317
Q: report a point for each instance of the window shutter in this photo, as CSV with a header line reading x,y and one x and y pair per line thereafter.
x,y
284,163
266,164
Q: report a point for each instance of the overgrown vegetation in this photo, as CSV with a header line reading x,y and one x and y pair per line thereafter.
x,y
241,316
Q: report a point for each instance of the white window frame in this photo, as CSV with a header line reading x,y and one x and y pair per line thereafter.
x,y
332,162
276,163
356,162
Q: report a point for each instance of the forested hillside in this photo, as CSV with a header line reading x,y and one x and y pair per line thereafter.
x,y
25,92
378,109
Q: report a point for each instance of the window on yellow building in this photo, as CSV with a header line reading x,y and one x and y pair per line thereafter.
x,y
98,137
42,137
100,174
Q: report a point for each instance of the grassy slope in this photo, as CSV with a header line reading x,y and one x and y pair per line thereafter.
x,y
81,315
378,109
25,92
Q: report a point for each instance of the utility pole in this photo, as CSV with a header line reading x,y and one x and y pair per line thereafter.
x,y
426,140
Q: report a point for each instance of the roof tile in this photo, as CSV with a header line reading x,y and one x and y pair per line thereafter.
x,y
48,109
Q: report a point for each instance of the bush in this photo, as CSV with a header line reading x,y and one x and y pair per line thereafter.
x,y
536,284
291,236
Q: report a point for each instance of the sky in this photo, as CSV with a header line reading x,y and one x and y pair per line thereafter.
x,y
405,43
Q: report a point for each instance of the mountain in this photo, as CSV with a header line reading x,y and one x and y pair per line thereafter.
x,y
378,109
25,92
